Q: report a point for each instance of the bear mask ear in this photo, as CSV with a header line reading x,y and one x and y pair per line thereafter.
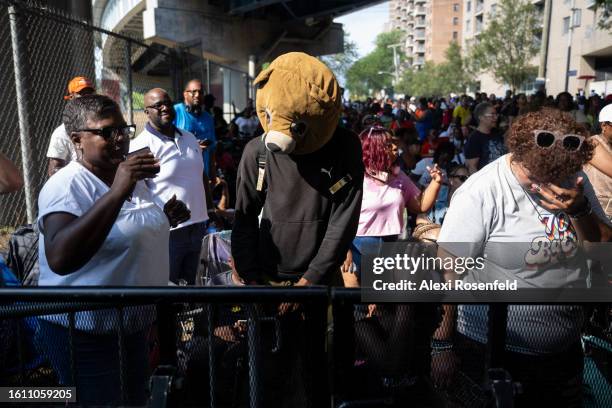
x,y
263,77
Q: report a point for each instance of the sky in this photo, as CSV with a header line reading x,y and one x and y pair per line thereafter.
x,y
363,26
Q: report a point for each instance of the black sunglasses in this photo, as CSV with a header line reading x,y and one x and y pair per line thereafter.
x,y
112,132
160,105
462,178
547,138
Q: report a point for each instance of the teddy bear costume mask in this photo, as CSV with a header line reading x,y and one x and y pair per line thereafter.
x,y
298,97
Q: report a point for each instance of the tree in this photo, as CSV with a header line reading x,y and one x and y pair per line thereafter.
x,y
605,18
453,75
424,82
341,62
507,45
374,71
456,73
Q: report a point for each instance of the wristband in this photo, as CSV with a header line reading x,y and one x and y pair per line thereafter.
x,y
441,345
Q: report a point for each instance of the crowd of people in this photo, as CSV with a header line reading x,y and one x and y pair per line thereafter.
x,y
121,209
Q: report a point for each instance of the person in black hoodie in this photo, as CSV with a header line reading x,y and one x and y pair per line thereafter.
x,y
305,172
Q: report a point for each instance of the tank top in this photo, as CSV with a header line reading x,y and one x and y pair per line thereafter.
x,y
600,181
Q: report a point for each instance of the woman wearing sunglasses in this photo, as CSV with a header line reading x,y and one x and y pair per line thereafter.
x,y
527,211
457,175
99,226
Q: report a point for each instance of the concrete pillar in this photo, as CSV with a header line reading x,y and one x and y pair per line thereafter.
x,y
542,70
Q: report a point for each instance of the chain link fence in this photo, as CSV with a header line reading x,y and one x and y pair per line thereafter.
x,y
44,48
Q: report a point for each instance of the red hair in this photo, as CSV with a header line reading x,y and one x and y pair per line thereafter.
x,y
374,145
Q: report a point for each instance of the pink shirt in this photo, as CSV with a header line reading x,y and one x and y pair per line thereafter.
x,y
383,205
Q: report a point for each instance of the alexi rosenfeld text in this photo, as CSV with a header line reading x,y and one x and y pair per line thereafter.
x,y
412,265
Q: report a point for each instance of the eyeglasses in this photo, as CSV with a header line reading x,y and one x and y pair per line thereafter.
x,y
460,177
112,132
194,91
160,105
547,138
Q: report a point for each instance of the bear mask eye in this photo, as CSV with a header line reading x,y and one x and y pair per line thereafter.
x,y
298,128
268,117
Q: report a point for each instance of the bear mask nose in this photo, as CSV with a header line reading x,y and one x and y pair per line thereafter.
x,y
273,147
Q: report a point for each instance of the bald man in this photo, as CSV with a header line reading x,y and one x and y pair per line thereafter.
x,y
180,175
191,116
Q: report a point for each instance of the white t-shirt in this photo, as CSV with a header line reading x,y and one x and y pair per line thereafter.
x,y
60,145
135,252
181,168
492,213
247,126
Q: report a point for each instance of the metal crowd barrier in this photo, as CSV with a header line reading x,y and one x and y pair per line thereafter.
x,y
309,360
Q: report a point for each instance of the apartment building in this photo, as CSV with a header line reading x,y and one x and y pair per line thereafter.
x,y
445,25
430,25
567,27
476,15
574,23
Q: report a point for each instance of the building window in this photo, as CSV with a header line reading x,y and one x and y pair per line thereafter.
x,y
455,35
479,24
467,25
493,10
468,7
456,7
455,21
566,25
577,17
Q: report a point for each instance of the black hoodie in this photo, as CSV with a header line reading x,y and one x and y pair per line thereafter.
x,y
306,229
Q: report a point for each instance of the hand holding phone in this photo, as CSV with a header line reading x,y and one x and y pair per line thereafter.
x,y
145,149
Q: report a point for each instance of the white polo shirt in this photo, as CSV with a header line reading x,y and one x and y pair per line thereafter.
x,y
60,145
181,169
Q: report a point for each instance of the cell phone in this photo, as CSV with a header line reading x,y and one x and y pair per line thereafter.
x,y
145,149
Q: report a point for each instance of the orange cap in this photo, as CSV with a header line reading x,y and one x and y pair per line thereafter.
x,y
77,84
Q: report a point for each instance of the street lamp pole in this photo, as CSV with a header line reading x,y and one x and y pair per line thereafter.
x,y
395,62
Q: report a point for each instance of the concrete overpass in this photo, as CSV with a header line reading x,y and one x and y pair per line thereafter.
x,y
232,32
236,36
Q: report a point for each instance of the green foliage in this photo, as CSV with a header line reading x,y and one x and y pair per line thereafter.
x,y
373,72
453,75
341,62
505,48
137,100
604,7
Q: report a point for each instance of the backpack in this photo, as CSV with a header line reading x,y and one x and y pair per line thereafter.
x,y
215,268
18,353
22,256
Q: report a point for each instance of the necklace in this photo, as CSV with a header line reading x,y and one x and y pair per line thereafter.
x,y
527,194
